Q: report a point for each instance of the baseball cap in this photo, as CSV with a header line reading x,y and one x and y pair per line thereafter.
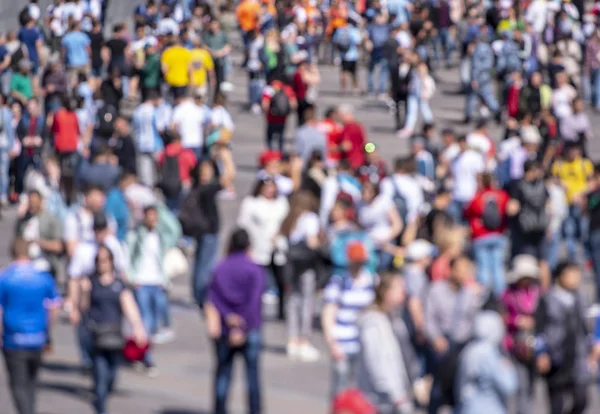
x,y
268,156
356,252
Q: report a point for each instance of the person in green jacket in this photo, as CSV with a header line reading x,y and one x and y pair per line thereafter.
x,y
150,71
21,87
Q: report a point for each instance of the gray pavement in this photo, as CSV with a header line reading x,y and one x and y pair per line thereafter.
x,y
184,383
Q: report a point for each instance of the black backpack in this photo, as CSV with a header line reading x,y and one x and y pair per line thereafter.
x,y
17,56
170,183
491,217
24,16
400,202
105,121
280,104
343,43
532,217
192,219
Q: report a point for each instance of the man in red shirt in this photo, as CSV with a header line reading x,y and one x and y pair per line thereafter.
x,y
353,140
333,131
276,109
65,130
186,157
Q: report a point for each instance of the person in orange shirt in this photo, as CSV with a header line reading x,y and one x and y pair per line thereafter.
x,y
247,13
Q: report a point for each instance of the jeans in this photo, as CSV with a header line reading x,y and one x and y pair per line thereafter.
x,y
225,356
105,368
275,132
255,88
278,273
443,41
301,304
526,376
576,394
380,64
595,83
594,245
4,172
151,301
23,162
485,93
344,373
465,73
553,245
489,258
207,247
146,169
575,230
5,82
457,210
22,367
414,106
86,342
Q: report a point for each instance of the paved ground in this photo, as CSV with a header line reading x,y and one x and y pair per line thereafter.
x,y
184,385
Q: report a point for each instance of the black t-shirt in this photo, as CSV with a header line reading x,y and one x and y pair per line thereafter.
x,y
96,44
434,218
124,149
593,206
117,53
532,197
208,205
105,302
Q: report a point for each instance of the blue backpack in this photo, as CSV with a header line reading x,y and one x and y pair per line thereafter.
x,y
339,245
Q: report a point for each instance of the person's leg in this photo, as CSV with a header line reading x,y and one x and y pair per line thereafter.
x,y
252,356
280,135
426,112
206,253
308,285
144,299
470,103
16,367
224,366
570,233
595,255
270,135
341,376
4,174
101,380
580,399
596,88
557,400
294,309
383,76
34,362
497,252
279,277
412,112
114,359
525,391
161,308
371,76
487,96
84,337
397,114
482,255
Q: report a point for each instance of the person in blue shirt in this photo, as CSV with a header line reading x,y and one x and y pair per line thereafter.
x,y
348,39
32,38
76,48
26,297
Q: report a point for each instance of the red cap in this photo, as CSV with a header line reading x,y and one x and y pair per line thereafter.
x,y
132,352
356,252
268,156
352,401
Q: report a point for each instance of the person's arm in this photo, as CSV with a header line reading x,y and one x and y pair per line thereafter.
x,y
228,165
5,62
395,223
328,324
132,314
504,375
213,321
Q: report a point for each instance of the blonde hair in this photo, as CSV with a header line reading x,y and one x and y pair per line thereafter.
x,y
447,238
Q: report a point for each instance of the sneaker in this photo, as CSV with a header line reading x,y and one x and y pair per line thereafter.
x,y
164,336
226,195
255,109
593,311
309,353
293,351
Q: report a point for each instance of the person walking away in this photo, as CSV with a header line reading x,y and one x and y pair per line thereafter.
x,y
76,50
30,130
175,164
593,210
305,81
421,90
256,71
29,301
346,295
353,139
378,33
233,320
465,168
591,68
486,379
302,230
382,374
347,39
574,172
277,102
176,63
520,301
344,182
147,139
562,341
147,245
191,119
577,128
261,215
108,301
7,141
203,68
559,211
309,138
450,309
487,218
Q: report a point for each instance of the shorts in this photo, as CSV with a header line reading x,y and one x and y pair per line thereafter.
x,y
523,246
349,66
178,91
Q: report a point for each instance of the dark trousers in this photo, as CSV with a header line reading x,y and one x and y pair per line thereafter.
x,y
23,162
400,112
225,355
302,105
105,365
22,367
278,273
275,133
577,394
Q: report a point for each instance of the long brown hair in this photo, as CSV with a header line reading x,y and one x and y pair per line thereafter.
x,y
386,280
300,202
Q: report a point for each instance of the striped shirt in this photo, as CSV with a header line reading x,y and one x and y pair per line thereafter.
x,y
351,296
146,131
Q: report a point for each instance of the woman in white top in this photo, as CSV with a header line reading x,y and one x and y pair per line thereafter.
x,y
378,215
302,229
261,215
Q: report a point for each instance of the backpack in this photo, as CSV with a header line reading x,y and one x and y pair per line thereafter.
x,y
532,217
170,184
24,16
492,216
280,104
339,245
399,202
192,219
16,57
105,121
343,42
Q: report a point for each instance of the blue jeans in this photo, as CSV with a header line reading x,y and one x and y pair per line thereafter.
x,y
553,245
595,254
443,41
4,172
595,83
456,209
380,64
575,230
489,254
206,252
484,92
225,355
5,82
151,301
105,365
86,344
413,107
255,88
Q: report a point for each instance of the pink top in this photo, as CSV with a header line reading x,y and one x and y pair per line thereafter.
x,y
518,302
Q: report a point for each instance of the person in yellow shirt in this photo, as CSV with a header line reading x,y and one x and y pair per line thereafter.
x,y
176,65
202,68
574,173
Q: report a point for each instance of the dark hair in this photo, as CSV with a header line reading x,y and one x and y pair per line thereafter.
x,y
404,164
530,165
239,241
91,188
110,256
260,184
428,127
330,111
34,191
461,138
487,180
562,267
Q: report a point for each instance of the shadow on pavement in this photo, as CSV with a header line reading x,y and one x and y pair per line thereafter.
x,y
82,393
61,367
181,411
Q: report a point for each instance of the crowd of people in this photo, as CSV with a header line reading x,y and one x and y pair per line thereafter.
x,y
440,280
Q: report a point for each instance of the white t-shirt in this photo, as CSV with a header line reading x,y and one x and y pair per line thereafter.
x,y
83,262
150,271
409,188
450,152
465,168
306,226
140,197
374,219
166,26
220,117
561,100
79,226
190,120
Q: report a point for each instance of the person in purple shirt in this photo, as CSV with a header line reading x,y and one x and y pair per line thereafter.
x,y
233,319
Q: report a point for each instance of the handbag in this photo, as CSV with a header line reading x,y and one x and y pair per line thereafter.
x,y
301,252
524,346
108,337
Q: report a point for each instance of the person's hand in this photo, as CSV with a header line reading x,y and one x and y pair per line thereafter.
x,y
441,345
543,363
237,337
513,207
74,316
139,336
50,88
336,352
37,141
235,321
346,146
474,85
525,322
214,329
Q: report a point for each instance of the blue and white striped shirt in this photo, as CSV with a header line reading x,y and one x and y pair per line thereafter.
x,y
146,130
351,296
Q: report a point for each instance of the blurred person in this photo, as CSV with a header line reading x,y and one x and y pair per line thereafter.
x,y
562,341
343,182
219,47
520,301
176,63
378,31
309,137
421,91
175,165
191,119
374,169
382,373
332,129
277,102
563,95
488,221
103,170
305,82
576,128
450,241
531,141
347,39
203,68
465,168
233,319
29,300
7,141
254,66
591,67
353,138
559,211
21,85
302,230
261,215
30,130
486,379
346,295
147,138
